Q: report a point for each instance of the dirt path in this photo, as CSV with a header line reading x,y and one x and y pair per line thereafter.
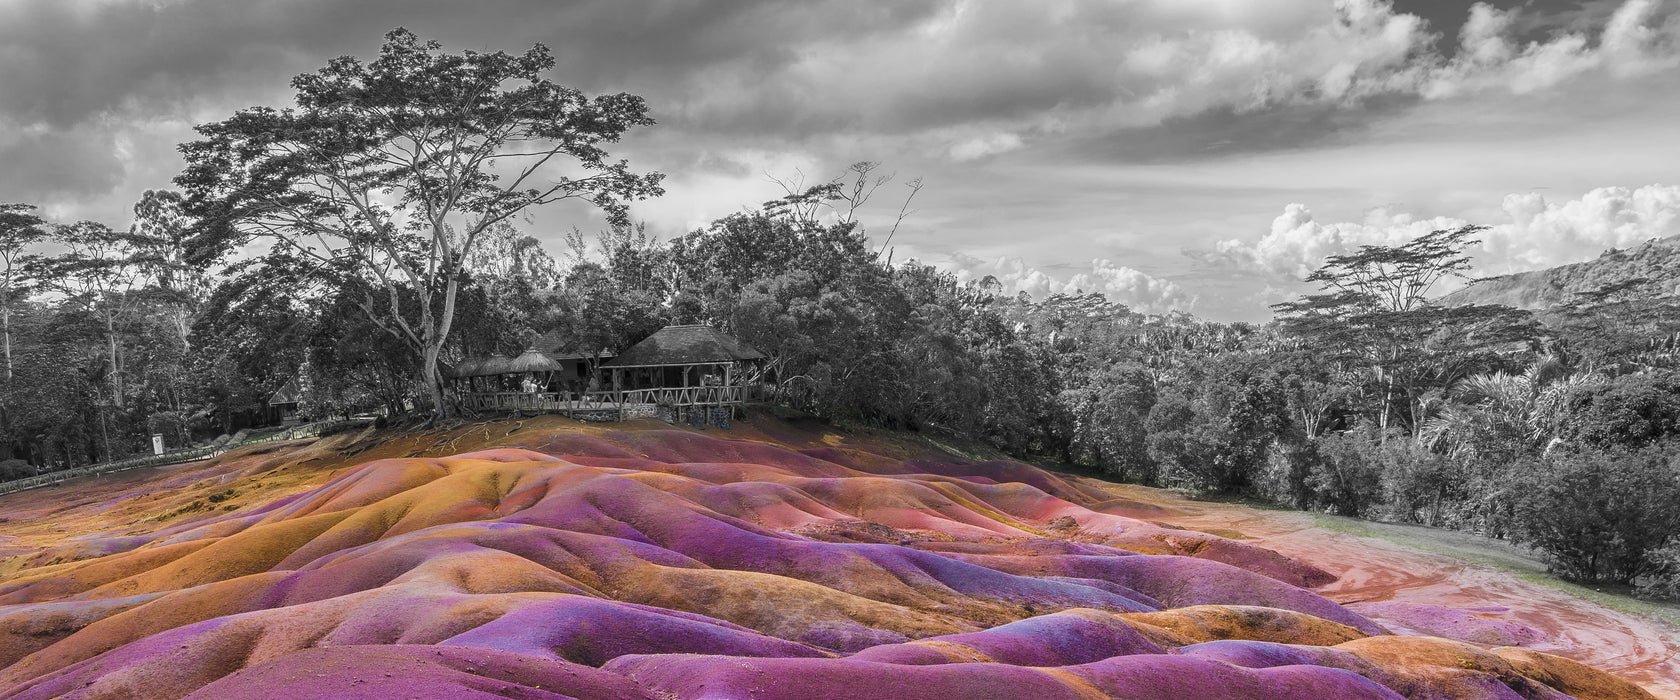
x,y
1639,648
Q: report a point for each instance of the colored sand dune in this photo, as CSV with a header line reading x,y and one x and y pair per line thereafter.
x,y
560,561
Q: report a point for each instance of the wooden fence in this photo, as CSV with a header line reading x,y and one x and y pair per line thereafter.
x,y
186,455
536,402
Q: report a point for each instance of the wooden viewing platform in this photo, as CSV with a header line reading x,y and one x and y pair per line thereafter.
x,y
681,368
569,402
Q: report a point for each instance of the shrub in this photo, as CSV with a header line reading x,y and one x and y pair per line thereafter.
x,y
1601,515
1108,416
1348,476
1631,411
1663,582
11,469
1420,486
1216,434
1284,478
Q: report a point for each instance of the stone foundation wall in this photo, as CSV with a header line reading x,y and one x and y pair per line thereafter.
x,y
608,415
697,416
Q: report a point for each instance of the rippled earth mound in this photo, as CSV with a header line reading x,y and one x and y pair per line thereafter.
x,y
559,561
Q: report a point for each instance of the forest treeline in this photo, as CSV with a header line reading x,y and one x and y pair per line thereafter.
x,y
1367,397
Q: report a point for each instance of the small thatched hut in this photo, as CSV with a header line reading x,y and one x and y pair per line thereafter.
x,y
577,363
481,374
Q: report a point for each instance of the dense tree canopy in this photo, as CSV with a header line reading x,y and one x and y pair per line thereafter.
x,y
390,174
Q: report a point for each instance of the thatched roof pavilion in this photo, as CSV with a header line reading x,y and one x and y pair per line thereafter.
x,y
684,366
675,346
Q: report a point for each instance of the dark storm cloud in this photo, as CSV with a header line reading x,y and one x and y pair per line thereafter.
x,y
772,68
1535,20
1223,132
76,74
1542,19
969,76
62,62
50,163
1538,19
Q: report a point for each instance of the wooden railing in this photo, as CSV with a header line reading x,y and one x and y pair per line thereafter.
x,y
571,402
682,396
185,455
533,401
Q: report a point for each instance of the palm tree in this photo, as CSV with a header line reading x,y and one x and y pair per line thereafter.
x,y
1526,407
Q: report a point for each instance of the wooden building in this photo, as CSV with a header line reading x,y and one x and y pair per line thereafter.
x,y
676,367
577,365
284,402
684,366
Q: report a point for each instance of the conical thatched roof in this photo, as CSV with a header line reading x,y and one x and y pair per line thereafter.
x,y
533,360
495,364
685,345
467,368
483,366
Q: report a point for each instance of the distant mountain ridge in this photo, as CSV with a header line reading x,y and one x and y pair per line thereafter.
x,y
1538,290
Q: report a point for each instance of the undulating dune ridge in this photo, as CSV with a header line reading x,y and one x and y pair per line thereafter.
x,y
554,560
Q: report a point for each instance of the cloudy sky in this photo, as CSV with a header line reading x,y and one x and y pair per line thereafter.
x,y
1191,154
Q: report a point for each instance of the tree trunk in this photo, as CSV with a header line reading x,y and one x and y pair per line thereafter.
x,y
433,377
441,408
182,328
6,314
116,368
106,431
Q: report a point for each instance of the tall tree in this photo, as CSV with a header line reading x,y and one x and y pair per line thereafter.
x,y
20,228
1377,315
505,255
159,236
389,174
100,273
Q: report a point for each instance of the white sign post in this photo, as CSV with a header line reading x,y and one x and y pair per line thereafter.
x,y
157,443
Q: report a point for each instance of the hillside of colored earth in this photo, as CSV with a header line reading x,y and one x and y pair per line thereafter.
x,y
549,559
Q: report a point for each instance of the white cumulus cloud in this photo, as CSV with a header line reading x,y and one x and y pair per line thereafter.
x,y
1533,233
1121,284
